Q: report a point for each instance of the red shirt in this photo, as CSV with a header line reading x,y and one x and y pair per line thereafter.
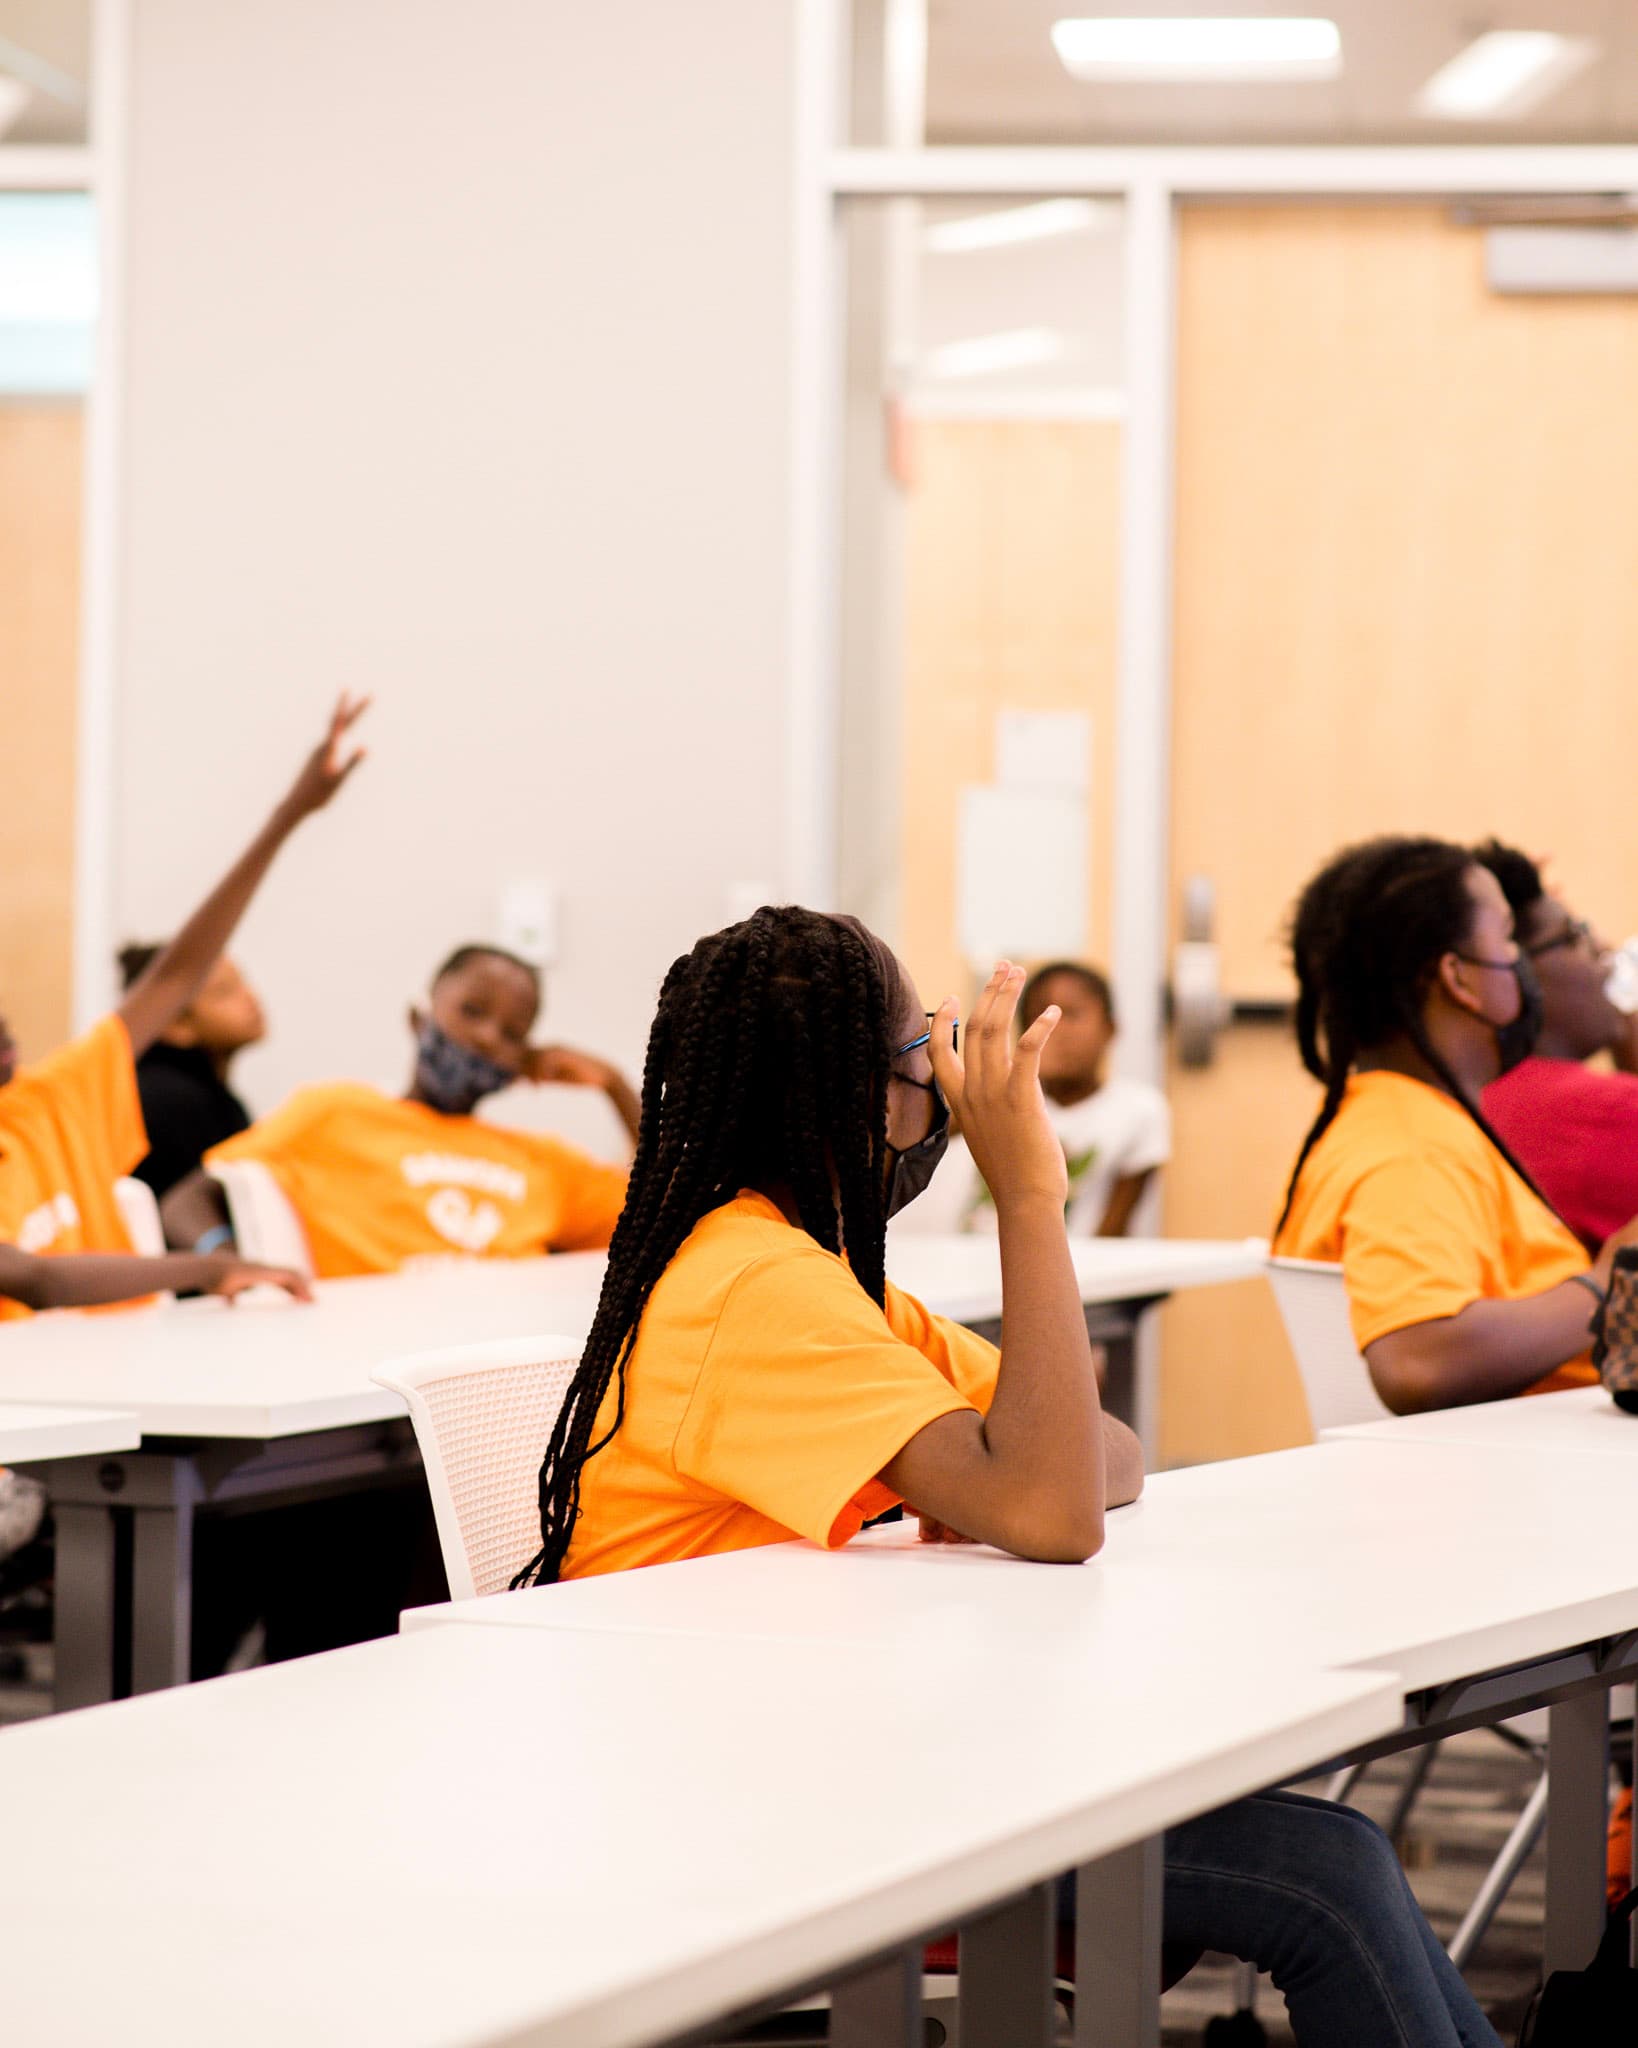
x,y
1575,1131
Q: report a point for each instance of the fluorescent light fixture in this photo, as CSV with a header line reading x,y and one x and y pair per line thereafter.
x,y
1017,348
1198,49
1007,224
1508,71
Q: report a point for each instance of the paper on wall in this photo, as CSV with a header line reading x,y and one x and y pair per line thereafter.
x,y
1021,874
1043,749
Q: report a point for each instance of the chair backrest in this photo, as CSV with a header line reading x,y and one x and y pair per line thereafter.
x,y
265,1224
1314,1307
139,1212
482,1414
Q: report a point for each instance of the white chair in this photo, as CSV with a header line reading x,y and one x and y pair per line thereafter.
x,y
139,1213
482,1415
266,1227
1313,1305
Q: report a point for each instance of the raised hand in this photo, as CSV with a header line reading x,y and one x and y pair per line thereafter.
x,y
330,763
994,1092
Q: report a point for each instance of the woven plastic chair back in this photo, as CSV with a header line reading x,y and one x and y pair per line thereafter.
x,y
266,1226
1313,1305
482,1415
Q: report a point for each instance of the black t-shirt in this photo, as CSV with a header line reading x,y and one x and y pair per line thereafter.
x,y
187,1108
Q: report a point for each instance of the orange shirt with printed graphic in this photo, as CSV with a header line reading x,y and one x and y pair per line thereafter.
x,y
1424,1215
378,1181
764,1393
70,1126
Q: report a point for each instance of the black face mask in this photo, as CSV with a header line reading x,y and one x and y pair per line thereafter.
x,y
1516,1041
451,1077
915,1165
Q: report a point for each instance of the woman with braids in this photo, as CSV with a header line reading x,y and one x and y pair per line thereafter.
x,y
752,1375
1413,996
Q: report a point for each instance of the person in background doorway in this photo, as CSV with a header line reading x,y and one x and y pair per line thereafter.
x,y
381,1180
182,1078
1574,1126
1116,1133
71,1124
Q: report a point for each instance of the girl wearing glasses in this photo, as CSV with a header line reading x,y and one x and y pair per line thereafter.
x,y
751,1375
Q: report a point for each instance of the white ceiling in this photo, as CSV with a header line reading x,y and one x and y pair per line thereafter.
x,y
992,76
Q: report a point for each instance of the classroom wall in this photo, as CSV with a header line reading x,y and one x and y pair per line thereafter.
x,y
456,370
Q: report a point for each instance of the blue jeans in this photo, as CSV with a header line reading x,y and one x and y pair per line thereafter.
x,y
1312,1893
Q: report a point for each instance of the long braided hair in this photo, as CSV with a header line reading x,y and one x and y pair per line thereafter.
x,y
767,1066
1366,940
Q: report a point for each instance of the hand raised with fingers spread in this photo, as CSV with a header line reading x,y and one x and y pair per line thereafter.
x,y
994,1090
329,765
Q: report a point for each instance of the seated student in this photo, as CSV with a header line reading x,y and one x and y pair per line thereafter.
x,y
71,1124
1413,997
751,1374
1574,1127
379,1180
1116,1133
182,1079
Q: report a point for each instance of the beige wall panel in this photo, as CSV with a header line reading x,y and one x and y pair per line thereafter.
x,y
1407,560
39,652
1012,555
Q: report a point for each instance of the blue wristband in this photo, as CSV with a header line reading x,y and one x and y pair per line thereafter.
x,y
214,1239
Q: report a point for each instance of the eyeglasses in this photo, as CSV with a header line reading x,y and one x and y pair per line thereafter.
x,y
926,1037
1576,933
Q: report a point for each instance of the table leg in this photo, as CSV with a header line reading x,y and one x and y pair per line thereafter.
x,y
1117,1949
881,2006
85,1599
1578,1766
1006,1973
162,1595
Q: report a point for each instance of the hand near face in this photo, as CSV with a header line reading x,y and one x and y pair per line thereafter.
x,y
568,1068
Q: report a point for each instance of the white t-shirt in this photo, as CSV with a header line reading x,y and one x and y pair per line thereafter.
x,y
1125,1127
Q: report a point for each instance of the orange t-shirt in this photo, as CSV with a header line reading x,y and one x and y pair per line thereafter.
x,y
70,1126
378,1181
1424,1215
764,1393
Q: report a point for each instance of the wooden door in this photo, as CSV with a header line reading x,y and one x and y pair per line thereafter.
x,y
1406,600
39,640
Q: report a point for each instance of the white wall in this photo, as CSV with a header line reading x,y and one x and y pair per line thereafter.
x,y
457,369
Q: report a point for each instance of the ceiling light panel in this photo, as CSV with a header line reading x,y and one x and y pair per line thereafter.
x,y
1506,72
1005,225
1119,49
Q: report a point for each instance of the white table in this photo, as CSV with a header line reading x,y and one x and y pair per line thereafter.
x,y
270,1401
29,1432
558,1839
1585,1421
1487,1584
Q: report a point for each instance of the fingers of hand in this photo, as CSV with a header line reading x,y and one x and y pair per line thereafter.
x,y
947,1067
992,1051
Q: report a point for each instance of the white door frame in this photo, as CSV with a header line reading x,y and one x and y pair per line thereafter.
x,y
1150,183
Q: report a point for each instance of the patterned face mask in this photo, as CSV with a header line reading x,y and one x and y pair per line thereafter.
x,y
452,1077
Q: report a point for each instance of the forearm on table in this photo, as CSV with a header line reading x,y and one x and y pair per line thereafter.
x,y
1488,1352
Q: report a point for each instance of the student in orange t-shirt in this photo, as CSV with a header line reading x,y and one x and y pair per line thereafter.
x,y
71,1124
752,1375
381,1180
1413,996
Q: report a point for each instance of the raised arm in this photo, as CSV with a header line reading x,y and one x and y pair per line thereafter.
x,y
93,1279
170,984
1031,1476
